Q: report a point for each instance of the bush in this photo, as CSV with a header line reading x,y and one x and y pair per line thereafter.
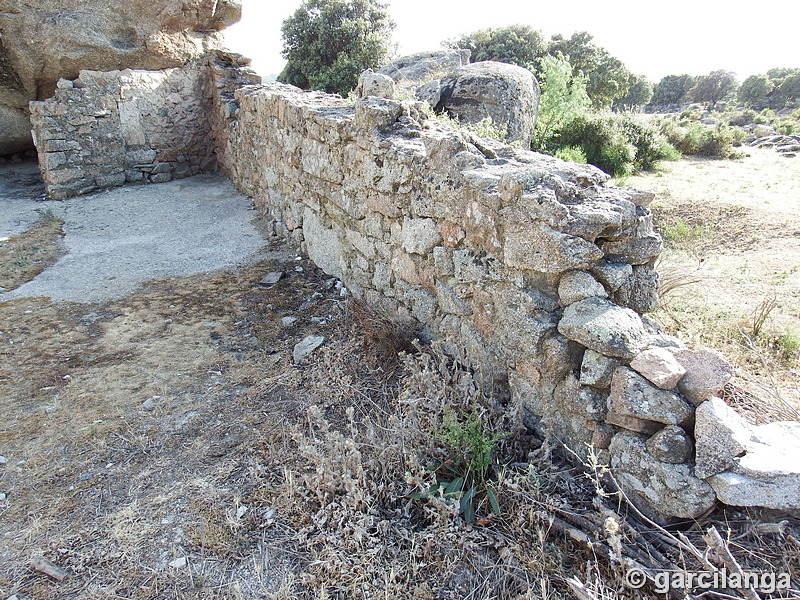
x,y
617,144
743,118
787,127
691,115
700,140
572,154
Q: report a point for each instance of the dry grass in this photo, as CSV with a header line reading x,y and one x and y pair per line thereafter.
x,y
730,275
274,480
24,256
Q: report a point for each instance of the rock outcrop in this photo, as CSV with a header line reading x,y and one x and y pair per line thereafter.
x,y
415,70
507,94
47,40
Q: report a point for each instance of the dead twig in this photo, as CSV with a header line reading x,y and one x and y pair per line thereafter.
x,y
580,590
719,549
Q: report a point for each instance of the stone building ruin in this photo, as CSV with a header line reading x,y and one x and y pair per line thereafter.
x,y
539,271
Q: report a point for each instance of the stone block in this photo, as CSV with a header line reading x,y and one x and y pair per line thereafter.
x,y
538,247
161,178
452,234
707,372
661,490
721,435
579,285
61,145
604,327
597,369
443,261
671,445
420,235
633,396
659,366
450,302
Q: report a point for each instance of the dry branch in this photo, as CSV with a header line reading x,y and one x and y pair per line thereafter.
x,y
577,587
719,549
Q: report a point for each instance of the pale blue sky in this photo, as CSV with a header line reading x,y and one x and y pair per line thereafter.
x,y
651,38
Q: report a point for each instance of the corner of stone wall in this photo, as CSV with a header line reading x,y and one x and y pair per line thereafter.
x,y
106,129
537,269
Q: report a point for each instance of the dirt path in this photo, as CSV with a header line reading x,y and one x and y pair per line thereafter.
x,y
116,240
140,402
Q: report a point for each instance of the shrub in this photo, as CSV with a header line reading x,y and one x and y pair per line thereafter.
x,y
743,118
571,154
787,127
617,144
701,140
691,115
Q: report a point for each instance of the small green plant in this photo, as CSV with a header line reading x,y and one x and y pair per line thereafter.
x,y
788,346
681,233
571,154
467,472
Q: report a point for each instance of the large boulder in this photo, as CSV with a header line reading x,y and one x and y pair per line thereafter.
x,y
506,93
424,67
45,40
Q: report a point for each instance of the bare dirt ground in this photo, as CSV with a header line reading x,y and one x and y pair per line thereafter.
x,y
165,445
732,231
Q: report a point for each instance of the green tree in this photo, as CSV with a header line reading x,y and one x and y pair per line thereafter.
x,y
606,76
778,74
563,99
788,92
639,93
713,87
516,44
754,90
672,89
328,43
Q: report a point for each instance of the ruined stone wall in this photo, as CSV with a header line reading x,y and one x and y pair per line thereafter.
x,y
530,264
110,128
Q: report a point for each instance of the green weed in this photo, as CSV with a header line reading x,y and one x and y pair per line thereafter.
x,y
681,233
467,472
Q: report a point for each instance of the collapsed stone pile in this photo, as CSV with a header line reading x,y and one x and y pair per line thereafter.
x,y
531,265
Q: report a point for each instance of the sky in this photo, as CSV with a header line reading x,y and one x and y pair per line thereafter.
x,y
652,38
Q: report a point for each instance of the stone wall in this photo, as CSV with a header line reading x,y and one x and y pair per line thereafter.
x,y
530,264
110,128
